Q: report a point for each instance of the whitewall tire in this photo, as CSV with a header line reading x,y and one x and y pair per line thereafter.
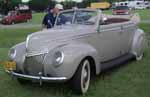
x,y
81,79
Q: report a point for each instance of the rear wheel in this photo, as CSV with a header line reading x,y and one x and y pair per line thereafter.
x,y
12,22
28,20
81,79
139,57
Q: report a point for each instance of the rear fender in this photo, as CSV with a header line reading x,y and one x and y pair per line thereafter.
x,y
139,42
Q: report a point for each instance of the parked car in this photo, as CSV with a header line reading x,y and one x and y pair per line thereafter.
x,y
121,10
80,46
17,17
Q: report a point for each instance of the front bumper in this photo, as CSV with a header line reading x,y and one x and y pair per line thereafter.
x,y
39,78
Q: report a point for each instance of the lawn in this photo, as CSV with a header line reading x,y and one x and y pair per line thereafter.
x,y
130,80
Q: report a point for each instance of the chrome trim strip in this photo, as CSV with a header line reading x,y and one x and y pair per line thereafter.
x,y
38,77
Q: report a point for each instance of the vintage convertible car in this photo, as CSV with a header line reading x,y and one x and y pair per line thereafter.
x,y
82,44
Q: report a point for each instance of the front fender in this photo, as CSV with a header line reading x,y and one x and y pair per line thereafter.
x,y
20,55
74,54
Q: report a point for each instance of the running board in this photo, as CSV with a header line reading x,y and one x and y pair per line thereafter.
x,y
116,62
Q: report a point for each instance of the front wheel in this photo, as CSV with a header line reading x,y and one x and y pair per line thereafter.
x,y
81,79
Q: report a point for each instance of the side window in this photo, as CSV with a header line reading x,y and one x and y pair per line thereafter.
x,y
65,18
86,17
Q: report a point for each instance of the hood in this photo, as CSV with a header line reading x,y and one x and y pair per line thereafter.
x,y
43,41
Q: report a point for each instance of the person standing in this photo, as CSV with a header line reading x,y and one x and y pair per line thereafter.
x,y
50,17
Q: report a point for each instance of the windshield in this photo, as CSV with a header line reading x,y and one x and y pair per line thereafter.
x,y
121,8
11,13
77,17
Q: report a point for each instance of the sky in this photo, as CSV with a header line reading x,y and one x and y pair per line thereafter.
x,y
56,0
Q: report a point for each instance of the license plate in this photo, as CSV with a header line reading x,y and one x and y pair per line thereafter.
x,y
9,66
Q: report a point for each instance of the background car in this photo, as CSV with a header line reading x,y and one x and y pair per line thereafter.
x,y
121,10
17,17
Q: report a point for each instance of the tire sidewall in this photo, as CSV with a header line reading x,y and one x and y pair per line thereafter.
x,y
77,79
85,64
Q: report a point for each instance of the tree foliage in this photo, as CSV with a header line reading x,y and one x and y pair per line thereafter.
x,y
40,5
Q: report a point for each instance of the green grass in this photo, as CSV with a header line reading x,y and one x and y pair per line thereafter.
x,y
10,37
145,27
130,80
145,14
37,18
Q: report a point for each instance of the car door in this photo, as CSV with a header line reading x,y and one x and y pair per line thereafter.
x,y
109,41
24,16
19,17
126,36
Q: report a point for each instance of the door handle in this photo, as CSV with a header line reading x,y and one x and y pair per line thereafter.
x,y
121,31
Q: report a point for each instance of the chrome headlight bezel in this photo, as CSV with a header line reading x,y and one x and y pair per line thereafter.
x,y
12,53
27,40
58,58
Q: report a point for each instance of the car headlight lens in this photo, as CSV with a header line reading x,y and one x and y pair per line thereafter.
x,y
12,53
58,58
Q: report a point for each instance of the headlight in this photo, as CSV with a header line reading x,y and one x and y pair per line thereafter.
x,y
12,53
58,58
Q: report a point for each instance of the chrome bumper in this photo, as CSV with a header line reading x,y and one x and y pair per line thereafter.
x,y
38,78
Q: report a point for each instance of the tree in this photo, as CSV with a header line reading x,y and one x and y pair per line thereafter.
x,y
15,3
5,6
68,4
40,5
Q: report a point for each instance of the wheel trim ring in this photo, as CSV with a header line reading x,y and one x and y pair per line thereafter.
x,y
85,84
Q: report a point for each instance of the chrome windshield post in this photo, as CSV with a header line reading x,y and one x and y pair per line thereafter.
x,y
99,20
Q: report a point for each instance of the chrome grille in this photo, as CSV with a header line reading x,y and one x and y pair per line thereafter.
x,y
33,65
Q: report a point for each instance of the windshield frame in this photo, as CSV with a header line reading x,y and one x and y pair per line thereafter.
x,y
74,15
